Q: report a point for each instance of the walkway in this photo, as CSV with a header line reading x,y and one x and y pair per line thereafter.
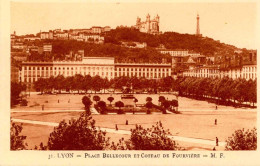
x,y
127,132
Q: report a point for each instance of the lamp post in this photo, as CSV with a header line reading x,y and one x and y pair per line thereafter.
x,y
29,89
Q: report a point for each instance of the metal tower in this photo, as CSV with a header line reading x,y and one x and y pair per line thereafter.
x,y
198,26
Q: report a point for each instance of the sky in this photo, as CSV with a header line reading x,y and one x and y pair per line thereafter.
x,y
231,23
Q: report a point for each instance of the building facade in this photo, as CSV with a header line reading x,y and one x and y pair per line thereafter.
x,y
244,72
147,70
105,67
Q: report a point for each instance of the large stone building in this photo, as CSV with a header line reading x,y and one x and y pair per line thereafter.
x,y
246,71
150,26
104,67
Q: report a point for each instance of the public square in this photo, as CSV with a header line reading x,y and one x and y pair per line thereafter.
x,y
193,129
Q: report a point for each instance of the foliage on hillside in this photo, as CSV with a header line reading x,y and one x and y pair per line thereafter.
x,y
171,40
61,48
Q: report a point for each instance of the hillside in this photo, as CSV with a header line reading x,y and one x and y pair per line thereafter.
x,y
171,40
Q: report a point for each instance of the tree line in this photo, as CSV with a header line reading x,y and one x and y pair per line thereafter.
x,y
82,83
223,90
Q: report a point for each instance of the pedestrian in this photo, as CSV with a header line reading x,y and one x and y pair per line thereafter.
x,y
215,121
126,122
216,107
116,127
42,107
216,141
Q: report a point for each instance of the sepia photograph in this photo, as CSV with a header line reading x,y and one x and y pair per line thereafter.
x,y
133,77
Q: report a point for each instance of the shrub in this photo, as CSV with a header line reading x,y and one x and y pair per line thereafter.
x,y
120,111
24,102
119,104
17,141
96,98
103,107
242,140
161,99
154,138
149,99
110,99
80,134
87,103
149,105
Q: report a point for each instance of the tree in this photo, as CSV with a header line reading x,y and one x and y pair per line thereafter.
x,y
87,82
17,140
149,105
149,99
40,85
79,134
59,83
78,82
97,83
110,99
174,103
119,104
161,99
87,103
16,90
154,138
96,98
102,105
242,140
166,104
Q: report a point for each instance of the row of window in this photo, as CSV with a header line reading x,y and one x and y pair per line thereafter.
x,y
249,69
244,75
142,69
95,68
142,74
68,68
68,73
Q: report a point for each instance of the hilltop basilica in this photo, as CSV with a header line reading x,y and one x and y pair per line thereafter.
x,y
150,26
